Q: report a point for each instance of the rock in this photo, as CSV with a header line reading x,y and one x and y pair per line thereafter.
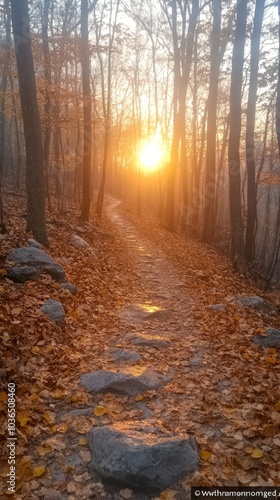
x,y
147,340
33,243
272,338
124,356
138,314
54,310
22,274
69,286
138,455
78,242
195,361
218,307
256,302
39,259
122,382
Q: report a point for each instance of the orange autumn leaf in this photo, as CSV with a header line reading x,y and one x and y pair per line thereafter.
x,y
99,411
205,455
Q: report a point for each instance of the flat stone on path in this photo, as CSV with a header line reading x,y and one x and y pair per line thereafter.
x,y
54,310
70,287
123,382
218,307
256,302
22,274
37,258
140,314
124,356
78,242
147,340
136,454
272,338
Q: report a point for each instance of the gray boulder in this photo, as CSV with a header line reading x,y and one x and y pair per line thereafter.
x,y
54,310
33,243
69,286
256,302
139,455
124,356
39,259
122,382
272,338
147,341
22,274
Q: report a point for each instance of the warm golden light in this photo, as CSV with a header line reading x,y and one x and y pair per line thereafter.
x,y
151,156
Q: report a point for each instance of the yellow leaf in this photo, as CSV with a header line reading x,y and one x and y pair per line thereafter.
x,y
49,417
39,471
23,417
62,428
2,271
75,398
139,397
83,441
44,450
205,455
271,360
99,411
35,349
168,495
58,394
257,453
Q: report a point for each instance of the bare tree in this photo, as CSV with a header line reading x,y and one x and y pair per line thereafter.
x,y
31,121
234,136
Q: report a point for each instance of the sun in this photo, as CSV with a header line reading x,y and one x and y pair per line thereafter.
x,y
151,156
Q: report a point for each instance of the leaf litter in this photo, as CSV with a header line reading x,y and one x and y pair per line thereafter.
x,y
224,389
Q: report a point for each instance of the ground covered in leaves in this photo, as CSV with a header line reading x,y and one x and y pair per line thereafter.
x,y
224,389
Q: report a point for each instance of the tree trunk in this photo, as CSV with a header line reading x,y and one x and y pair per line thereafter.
x,y
278,89
210,169
234,137
47,106
31,121
87,112
250,132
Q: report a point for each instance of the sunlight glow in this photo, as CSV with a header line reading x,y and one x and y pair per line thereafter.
x,y
151,156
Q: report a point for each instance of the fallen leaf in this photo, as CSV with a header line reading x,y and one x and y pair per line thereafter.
x,y
83,441
23,417
44,450
99,411
39,471
205,455
139,397
35,349
49,417
257,453
168,495
271,360
58,394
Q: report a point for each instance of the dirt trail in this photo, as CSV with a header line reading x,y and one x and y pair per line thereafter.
x,y
150,292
